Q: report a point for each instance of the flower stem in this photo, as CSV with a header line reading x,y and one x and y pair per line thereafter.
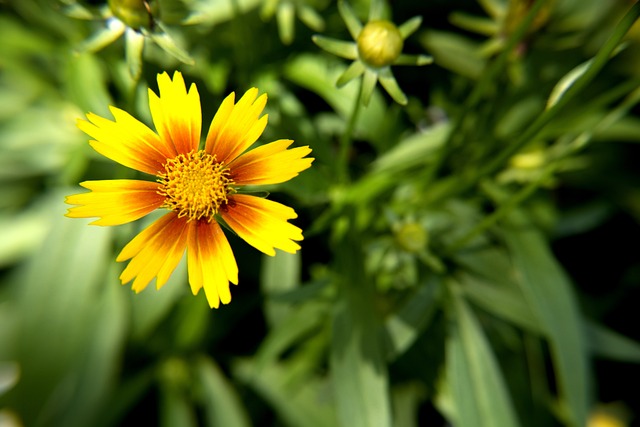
x,y
347,138
486,82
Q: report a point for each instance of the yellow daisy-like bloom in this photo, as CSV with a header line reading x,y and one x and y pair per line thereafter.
x,y
197,186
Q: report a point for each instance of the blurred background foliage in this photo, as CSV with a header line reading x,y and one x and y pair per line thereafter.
x,y
465,260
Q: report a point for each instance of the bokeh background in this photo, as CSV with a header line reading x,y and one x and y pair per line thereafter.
x,y
472,262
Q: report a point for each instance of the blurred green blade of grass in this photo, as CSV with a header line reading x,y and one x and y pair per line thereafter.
x,y
176,409
605,343
358,370
294,328
303,404
218,397
454,52
280,273
412,151
72,325
402,328
479,392
22,234
506,302
319,74
550,296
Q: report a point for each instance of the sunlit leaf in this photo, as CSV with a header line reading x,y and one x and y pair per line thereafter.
x,y
279,274
549,294
220,401
404,326
301,405
479,392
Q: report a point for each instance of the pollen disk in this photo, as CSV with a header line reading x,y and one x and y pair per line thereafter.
x,y
195,185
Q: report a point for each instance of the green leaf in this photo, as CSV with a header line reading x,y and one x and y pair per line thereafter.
x,y
96,376
134,45
356,358
506,302
406,403
412,151
9,375
319,74
220,401
166,42
403,327
86,84
212,12
358,372
454,52
69,343
279,274
286,22
550,296
293,328
102,37
310,17
300,405
176,409
480,396
569,79
475,24
21,234
608,344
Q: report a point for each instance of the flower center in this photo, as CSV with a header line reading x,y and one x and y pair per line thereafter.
x,y
195,185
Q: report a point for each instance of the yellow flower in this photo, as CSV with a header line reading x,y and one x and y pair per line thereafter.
x,y
199,187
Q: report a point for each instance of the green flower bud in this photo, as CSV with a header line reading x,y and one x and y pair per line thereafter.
x,y
134,13
412,237
379,43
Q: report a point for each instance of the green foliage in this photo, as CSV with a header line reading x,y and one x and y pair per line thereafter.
x,y
464,259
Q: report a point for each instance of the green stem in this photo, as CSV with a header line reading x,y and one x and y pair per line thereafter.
x,y
242,59
347,139
575,145
503,210
485,83
466,181
599,61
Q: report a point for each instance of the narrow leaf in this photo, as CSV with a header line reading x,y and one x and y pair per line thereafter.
x,y
479,391
221,403
550,296
403,327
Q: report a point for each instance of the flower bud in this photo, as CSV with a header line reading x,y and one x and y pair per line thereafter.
x,y
412,237
379,43
134,13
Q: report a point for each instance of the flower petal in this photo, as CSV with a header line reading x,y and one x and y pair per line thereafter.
x,y
115,201
270,164
262,223
154,252
235,127
176,114
126,141
210,261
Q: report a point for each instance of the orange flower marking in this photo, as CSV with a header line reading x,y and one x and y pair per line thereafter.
x,y
196,186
